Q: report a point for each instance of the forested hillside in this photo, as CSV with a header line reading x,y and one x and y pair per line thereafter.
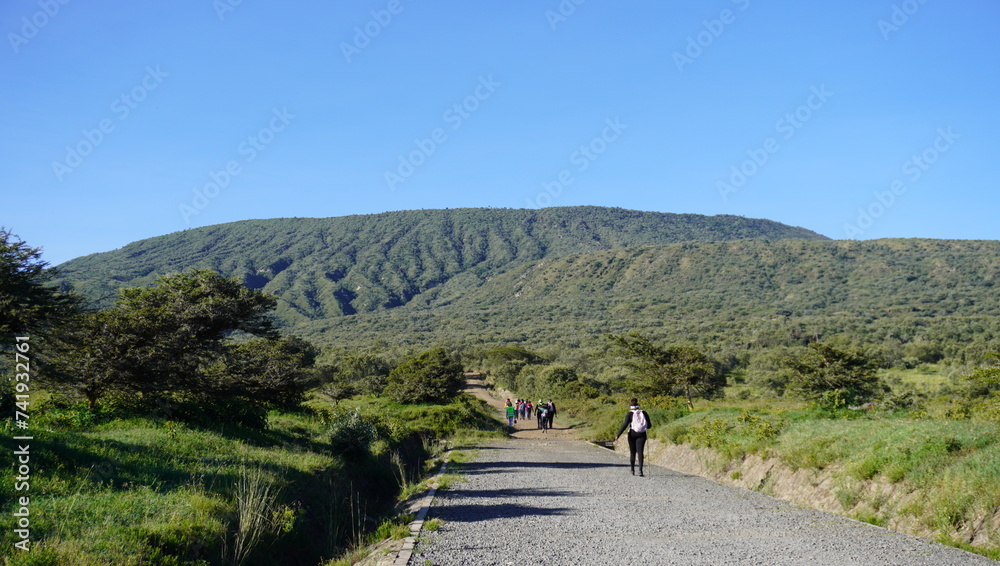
x,y
329,267
562,277
731,296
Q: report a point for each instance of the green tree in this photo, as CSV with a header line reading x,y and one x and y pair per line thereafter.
x,y
91,356
27,302
669,370
983,388
161,339
984,379
835,376
264,372
431,377
367,373
502,354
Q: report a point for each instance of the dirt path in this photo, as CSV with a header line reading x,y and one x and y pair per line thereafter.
x,y
528,430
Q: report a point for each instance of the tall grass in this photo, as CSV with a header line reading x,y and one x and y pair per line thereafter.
x,y
256,514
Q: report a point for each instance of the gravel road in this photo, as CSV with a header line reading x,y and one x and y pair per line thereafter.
x,y
566,502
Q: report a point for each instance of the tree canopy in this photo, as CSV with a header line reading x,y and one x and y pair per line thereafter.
x,y
835,376
431,377
28,303
171,340
669,370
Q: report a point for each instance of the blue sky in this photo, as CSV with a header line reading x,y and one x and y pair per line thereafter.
x,y
862,119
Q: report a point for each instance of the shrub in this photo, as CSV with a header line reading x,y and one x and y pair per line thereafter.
x,y
350,433
431,377
835,378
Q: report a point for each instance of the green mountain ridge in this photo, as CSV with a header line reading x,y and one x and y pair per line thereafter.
x,y
562,277
327,267
733,295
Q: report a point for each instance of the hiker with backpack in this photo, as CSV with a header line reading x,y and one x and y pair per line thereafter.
x,y
511,415
542,413
552,412
637,422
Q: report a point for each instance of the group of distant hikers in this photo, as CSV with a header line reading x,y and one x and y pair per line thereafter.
x,y
545,413
636,421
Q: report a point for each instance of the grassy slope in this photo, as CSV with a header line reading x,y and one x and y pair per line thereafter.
x,y
145,492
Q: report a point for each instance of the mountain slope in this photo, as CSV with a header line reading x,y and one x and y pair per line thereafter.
x,y
331,267
728,294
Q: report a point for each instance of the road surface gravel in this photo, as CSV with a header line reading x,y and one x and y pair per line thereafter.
x,y
558,501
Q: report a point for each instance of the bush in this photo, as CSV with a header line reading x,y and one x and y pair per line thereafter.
x,y
834,377
431,377
350,433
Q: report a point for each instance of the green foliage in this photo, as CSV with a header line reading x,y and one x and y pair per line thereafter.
x,y
298,491
262,372
166,345
352,434
160,340
731,433
368,373
431,377
669,370
28,304
984,379
767,371
535,278
982,389
558,375
517,375
503,355
333,267
835,378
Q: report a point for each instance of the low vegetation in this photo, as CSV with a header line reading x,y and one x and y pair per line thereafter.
x,y
147,491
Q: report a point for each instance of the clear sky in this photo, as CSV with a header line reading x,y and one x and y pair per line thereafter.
x,y
856,119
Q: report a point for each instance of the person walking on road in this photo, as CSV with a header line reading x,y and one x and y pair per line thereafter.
x,y
637,422
552,412
511,414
